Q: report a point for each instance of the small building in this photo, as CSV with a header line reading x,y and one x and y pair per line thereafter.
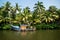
x,y
27,28
23,27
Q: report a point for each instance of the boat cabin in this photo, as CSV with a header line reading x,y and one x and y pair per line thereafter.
x,y
26,27
23,27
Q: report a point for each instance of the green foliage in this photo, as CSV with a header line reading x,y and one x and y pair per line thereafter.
x,y
40,18
47,26
6,26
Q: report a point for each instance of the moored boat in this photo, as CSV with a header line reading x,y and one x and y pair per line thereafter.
x,y
16,28
23,28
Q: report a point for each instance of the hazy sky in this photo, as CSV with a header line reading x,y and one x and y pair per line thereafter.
x,y
30,3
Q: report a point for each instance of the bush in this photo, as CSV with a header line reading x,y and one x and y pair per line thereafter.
x,y
6,26
46,26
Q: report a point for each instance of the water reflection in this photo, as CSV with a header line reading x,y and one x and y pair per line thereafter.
x,y
30,35
23,33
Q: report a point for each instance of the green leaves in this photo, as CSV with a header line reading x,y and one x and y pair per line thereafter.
x,y
38,16
6,26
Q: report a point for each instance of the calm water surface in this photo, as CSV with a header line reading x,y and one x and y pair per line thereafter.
x,y
32,35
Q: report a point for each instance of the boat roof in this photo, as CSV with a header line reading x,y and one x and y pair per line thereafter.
x,y
24,25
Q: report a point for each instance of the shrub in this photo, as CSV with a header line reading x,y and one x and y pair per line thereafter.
x,y
6,26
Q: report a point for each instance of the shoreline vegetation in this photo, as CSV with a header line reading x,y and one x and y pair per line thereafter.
x,y
39,17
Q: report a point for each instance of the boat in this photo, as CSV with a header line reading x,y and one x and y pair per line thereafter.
x,y
16,28
22,28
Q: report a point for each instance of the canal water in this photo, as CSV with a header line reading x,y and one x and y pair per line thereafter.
x,y
30,35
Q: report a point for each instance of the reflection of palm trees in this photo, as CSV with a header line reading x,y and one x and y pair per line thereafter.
x,y
26,33
23,34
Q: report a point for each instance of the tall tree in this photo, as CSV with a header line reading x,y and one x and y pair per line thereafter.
x,y
53,10
39,7
38,12
5,9
25,14
17,9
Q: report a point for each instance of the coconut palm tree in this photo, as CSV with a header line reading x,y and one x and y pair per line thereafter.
x,y
51,14
26,14
17,9
53,11
18,13
38,12
5,10
39,7
1,18
58,11
47,17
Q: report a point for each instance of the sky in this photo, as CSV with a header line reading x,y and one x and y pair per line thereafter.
x,y
30,3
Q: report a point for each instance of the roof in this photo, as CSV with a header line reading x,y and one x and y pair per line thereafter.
x,y
24,25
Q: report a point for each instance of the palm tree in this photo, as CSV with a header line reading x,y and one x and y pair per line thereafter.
x,y
48,17
53,11
58,11
39,7
38,12
1,18
5,10
26,14
51,14
18,14
17,9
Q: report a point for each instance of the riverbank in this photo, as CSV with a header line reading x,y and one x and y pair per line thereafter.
x,y
41,26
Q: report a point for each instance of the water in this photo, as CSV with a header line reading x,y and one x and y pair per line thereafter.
x,y
32,35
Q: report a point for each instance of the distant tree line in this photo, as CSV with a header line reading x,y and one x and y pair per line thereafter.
x,y
39,17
